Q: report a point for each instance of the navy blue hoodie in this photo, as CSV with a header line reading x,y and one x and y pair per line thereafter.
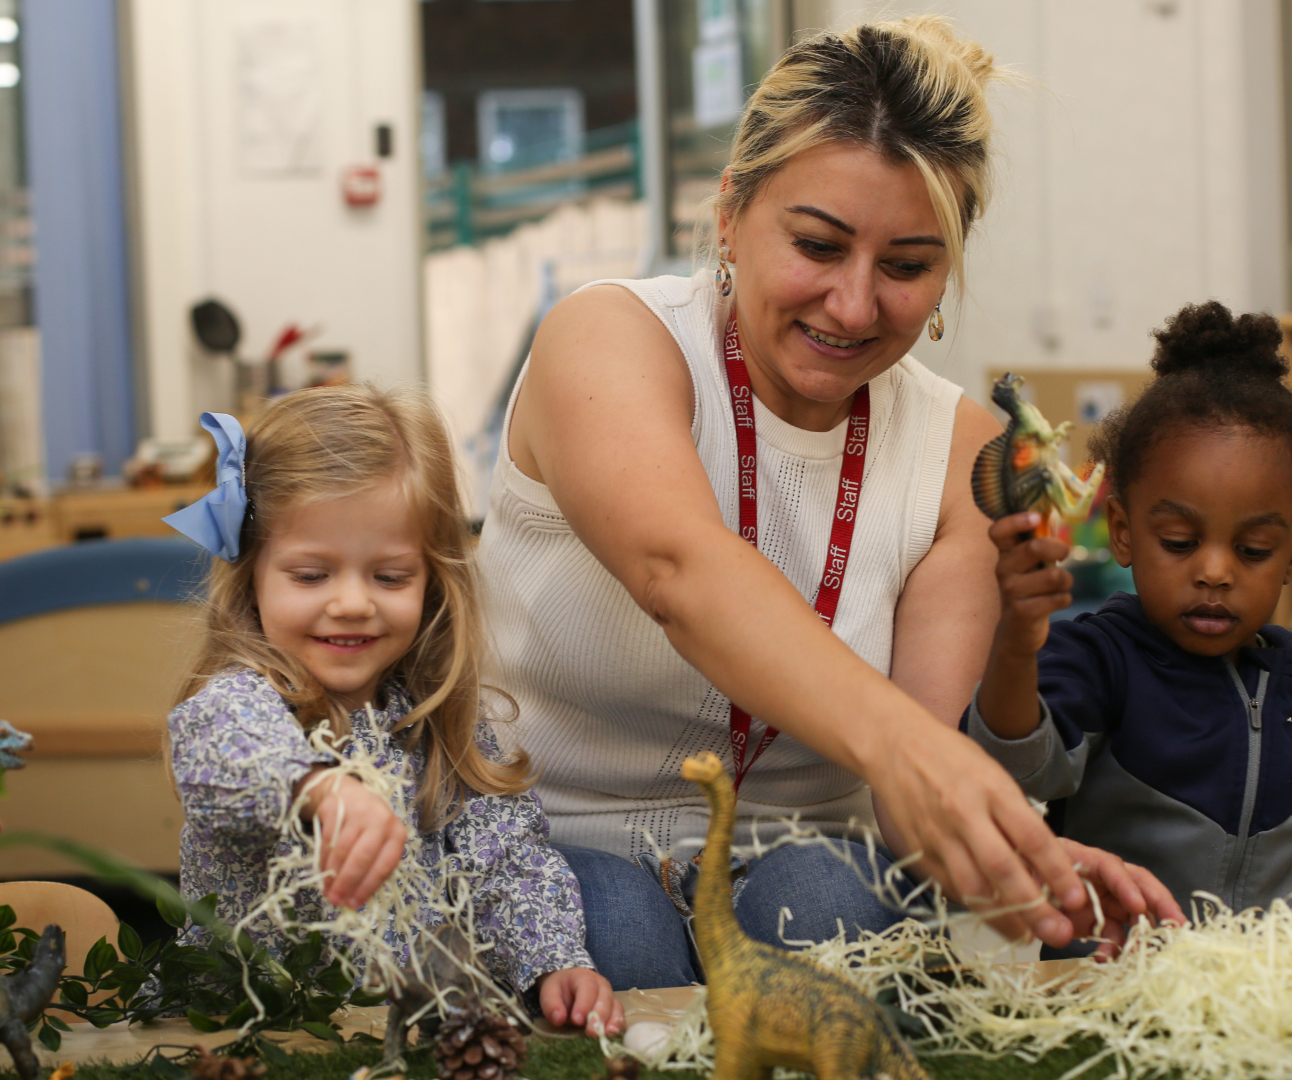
x,y
1177,762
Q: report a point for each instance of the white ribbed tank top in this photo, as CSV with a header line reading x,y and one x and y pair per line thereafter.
x,y
608,710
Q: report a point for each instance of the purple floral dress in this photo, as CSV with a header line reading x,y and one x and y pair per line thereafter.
x,y
237,751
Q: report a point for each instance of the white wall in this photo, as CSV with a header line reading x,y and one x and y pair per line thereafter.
x,y
501,285
1143,172
277,248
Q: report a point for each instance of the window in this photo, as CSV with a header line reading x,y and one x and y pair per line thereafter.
x,y
432,142
520,128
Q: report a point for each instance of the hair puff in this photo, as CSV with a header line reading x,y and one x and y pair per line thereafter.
x,y
1207,337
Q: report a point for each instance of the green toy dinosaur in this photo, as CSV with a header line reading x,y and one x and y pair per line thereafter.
x,y
769,1007
1020,468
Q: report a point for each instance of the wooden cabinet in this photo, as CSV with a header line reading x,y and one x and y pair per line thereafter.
x,y
118,512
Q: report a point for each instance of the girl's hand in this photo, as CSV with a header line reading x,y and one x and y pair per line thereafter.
x,y
1029,591
1125,892
577,995
362,837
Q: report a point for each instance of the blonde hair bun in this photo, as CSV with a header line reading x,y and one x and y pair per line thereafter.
x,y
910,89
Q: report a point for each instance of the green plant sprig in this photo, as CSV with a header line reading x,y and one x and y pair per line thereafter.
x,y
203,981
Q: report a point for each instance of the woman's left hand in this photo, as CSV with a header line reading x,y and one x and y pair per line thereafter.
x,y
581,997
1125,892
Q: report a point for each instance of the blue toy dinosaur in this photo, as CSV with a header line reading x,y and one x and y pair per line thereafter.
x,y
12,743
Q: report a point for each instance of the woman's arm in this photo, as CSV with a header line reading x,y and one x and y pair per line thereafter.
x,y
604,420
948,609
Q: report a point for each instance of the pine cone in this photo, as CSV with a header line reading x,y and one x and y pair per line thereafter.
x,y
209,1067
476,1044
622,1067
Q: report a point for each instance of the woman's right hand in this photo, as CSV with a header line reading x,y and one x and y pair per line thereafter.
x,y
362,839
978,836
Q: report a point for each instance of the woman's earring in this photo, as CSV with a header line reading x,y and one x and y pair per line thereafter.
x,y
936,326
722,279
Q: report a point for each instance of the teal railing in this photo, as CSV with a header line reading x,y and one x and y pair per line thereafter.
x,y
466,204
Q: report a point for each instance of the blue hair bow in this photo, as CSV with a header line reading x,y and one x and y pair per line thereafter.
x,y
215,520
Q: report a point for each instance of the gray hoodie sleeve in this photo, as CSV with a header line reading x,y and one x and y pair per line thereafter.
x,y
1044,769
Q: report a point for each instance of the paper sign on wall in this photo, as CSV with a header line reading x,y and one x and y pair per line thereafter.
x,y
1097,398
280,97
717,87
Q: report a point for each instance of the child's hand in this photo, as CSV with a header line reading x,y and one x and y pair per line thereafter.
x,y
362,837
1029,592
1125,892
575,996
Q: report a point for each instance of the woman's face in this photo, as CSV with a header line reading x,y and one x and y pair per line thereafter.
x,y
840,261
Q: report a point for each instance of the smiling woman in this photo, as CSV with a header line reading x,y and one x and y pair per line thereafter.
x,y
715,505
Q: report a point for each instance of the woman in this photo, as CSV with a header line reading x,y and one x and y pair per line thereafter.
x,y
658,421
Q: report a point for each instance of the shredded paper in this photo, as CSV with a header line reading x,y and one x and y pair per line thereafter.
x,y
1208,1001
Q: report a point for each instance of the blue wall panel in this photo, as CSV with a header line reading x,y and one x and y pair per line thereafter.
x,y
72,112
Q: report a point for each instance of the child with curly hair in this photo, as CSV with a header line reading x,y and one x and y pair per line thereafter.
x,y
1163,726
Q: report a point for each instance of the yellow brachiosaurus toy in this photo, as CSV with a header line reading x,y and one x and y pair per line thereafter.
x,y
770,1007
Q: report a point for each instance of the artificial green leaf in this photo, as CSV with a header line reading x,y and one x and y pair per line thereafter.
x,y
128,940
57,1021
301,958
332,978
100,863
7,941
166,1069
366,998
99,960
240,1015
202,912
172,911
271,1052
202,1022
49,1037
7,917
73,993
200,962
322,1031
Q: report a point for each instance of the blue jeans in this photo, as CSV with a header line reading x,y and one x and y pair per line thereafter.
x,y
638,938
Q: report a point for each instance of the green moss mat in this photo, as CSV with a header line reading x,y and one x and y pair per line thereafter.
x,y
580,1059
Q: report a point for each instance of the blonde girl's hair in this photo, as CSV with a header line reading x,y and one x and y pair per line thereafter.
x,y
333,441
909,89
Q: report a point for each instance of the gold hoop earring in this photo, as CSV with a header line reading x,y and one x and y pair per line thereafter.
x,y
937,327
722,279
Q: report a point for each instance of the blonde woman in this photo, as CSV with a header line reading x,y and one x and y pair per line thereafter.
x,y
719,503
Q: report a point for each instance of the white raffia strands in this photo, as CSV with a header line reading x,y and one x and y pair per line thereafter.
x,y
364,938
1210,1001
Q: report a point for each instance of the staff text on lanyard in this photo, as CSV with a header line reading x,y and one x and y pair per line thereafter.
x,y
851,476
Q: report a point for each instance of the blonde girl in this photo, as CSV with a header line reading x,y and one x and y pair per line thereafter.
x,y
343,579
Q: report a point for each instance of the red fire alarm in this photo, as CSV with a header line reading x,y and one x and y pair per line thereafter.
x,y
361,185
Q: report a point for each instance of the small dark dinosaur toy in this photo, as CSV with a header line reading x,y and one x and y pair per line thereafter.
x,y
442,963
1020,468
769,1007
24,995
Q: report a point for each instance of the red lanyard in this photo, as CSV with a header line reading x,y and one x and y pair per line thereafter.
x,y
845,512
